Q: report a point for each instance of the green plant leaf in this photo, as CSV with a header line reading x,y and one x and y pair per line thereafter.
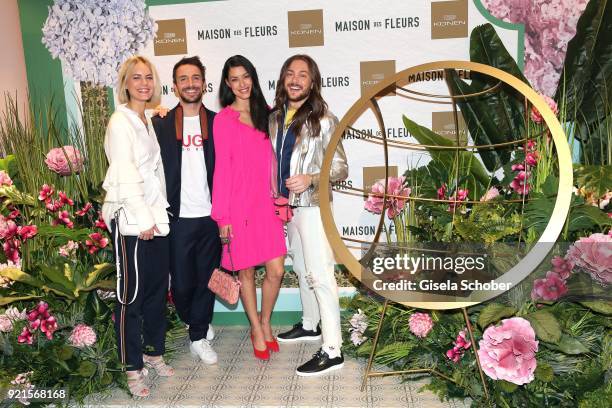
x,y
65,352
492,313
584,216
545,325
99,270
56,275
5,162
571,345
5,300
468,162
96,310
544,372
599,306
506,386
596,179
20,276
87,369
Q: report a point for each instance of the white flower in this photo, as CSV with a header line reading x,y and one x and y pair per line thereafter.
x,y
357,337
15,315
359,321
93,37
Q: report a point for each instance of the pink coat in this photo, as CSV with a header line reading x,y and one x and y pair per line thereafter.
x,y
242,194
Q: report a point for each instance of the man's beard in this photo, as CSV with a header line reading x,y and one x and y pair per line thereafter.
x,y
187,99
302,96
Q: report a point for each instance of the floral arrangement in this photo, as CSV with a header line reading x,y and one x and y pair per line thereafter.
x,y
120,29
549,26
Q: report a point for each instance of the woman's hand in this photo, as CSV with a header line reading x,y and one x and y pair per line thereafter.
x,y
225,232
299,183
148,234
161,111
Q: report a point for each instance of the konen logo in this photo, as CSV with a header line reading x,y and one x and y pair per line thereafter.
x,y
305,28
449,19
171,38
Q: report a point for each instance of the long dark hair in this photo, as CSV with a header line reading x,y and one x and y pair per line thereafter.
x,y
257,102
313,109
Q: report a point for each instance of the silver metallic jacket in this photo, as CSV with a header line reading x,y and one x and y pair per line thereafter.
x,y
307,157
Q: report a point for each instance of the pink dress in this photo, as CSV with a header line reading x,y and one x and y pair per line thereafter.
x,y
242,192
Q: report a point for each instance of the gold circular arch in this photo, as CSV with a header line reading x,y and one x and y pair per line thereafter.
x,y
546,241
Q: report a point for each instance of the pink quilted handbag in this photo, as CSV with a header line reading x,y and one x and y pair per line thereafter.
x,y
225,285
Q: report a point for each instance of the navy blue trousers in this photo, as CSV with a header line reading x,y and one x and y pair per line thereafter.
x,y
195,251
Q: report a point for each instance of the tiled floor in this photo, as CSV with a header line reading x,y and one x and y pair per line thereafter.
x,y
238,380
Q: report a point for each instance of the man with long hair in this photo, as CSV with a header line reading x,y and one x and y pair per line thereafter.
x,y
188,152
301,127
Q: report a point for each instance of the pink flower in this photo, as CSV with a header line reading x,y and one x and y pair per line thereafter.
x,y
462,341
420,324
550,288
535,113
459,346
460,195
11,250
14,214
64,199
507,352
518,167
82,336
49,326
60,160
519,184
357,337
8,228
594,255
25,336
68,249
6,324
53,205
531,159
84,210
100,223
27,231
64,218
5,180
45,192
531,144
562,267
15,315
491,194
96,242
442,192
395,187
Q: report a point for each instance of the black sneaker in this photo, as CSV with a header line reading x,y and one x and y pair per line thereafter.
x,y
320,364
299,334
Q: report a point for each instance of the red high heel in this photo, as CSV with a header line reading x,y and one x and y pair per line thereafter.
x,y
273,346
260,354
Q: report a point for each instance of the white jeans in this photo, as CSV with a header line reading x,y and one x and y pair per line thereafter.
x,y
313,261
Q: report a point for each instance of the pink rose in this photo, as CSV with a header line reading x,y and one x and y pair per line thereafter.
x,y
82,336
507,352
594,255
395,188
550,288
420,324
60,160
5,180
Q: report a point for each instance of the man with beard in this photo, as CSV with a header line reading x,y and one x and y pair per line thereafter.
x,y
301,127
188,155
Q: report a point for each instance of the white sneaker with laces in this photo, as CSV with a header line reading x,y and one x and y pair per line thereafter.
x,y
204,350
210,334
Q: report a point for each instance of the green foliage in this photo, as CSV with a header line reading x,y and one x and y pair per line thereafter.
x,y
492,313
584,85
488,224
595,179
545,325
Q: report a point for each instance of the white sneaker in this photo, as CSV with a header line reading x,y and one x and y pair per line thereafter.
x,y
210,334
203,349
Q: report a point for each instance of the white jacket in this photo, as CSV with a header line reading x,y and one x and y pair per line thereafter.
x,y
135,176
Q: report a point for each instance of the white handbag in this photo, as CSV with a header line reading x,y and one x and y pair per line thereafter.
x,y
128,224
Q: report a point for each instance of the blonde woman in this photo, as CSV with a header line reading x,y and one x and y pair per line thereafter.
x,y
135,183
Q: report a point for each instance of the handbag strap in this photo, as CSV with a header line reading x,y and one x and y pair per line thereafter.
x,y
226,241
117,236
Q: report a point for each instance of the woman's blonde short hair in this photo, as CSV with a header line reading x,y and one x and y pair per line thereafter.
x,y
126,70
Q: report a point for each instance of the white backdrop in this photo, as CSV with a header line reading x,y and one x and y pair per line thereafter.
x,y
354,35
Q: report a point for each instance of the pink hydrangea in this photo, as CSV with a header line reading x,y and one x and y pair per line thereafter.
x,y
60,160
5,180
508,352
491,194
420,324
395,187
594,255
536,116
82,336
69,249
550,288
